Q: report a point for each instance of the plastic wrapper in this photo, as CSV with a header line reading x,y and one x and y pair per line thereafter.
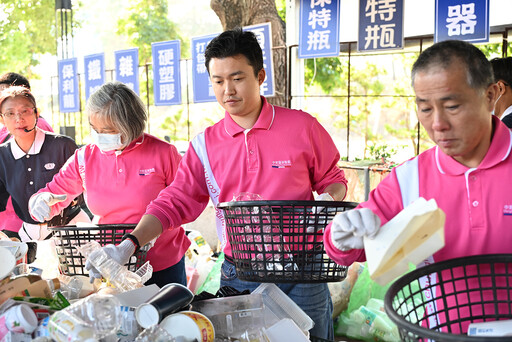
x,y
365,318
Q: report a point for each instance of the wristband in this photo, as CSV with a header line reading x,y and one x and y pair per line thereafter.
x,y
133,239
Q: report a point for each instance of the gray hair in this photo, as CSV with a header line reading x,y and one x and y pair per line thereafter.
x,y
121,107
444,54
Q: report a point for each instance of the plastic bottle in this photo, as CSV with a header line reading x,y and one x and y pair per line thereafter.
x,y
101,312
70,286
66,327
116,274
154,333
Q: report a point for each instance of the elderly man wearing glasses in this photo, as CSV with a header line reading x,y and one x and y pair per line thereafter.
x,y
29,160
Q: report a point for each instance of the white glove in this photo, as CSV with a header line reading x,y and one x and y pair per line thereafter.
x,y
120,254
349,227
39,205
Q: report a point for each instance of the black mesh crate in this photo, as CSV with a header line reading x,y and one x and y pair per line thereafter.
x,y
282,241
439,301
67,237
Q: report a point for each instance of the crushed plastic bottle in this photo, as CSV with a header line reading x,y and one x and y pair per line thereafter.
x,y
70,286
66,327
118,275
154,333
101,312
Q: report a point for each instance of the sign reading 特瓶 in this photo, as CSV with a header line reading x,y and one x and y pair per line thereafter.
x,y
380,25
94,70
127,68
462,20
319,28
69,101
166,73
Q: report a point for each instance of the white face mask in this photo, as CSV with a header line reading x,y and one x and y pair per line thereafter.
x,y
107,142
494,109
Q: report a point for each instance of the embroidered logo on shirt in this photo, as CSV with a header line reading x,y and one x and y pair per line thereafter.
x,y
146,172
281,164
49,166
507,210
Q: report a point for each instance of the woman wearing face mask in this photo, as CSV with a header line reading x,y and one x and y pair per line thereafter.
x,y
120,173
28,160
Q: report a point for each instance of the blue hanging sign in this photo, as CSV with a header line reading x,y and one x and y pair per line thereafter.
x,y
463,20
94,70
166,73
127,68
69,100
263,34
201,84
380,25
319,28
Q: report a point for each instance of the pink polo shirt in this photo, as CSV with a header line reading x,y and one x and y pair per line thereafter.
x,y
8,218
477,201
119,185
286,156
478,207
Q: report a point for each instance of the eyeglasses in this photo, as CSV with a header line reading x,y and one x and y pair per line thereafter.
x,y
22,113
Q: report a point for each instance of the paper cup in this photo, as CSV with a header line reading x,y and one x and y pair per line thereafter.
x,y
18,249
20,319
171,298
190,325
7,264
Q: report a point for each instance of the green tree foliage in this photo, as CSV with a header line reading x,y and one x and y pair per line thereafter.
x,y
146,22
174,124
27,29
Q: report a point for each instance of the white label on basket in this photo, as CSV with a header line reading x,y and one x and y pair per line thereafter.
x,y
430,294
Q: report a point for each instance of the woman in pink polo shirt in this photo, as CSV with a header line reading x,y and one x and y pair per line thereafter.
x,y
120,173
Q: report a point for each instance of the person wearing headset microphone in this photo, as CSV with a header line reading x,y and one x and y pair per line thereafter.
x,y
29,160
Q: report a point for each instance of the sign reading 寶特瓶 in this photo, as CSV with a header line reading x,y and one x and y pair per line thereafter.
x,y
68,86
462,20
127,68
319,28
380,25
166,73
94,69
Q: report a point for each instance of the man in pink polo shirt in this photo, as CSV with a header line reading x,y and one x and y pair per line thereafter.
x,y
466,173
275,152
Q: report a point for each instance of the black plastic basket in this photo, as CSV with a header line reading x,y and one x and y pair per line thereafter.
x,y
439,301
67,237
282,241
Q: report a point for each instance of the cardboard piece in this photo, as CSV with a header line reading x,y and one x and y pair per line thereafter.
x,y
411,236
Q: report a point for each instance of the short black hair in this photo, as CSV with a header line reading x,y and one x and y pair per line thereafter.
x,y
14,79
235,42
502,69
445,53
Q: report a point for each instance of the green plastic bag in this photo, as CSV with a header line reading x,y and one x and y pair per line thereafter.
x,y
357,320
212,282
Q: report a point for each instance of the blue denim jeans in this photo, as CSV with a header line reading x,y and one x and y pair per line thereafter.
x,y
313,299
174,274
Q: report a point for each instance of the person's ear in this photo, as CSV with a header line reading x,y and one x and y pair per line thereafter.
x,y
501,87
491,95
261,76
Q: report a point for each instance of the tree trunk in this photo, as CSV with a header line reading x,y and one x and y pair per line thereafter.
x,y
233,13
